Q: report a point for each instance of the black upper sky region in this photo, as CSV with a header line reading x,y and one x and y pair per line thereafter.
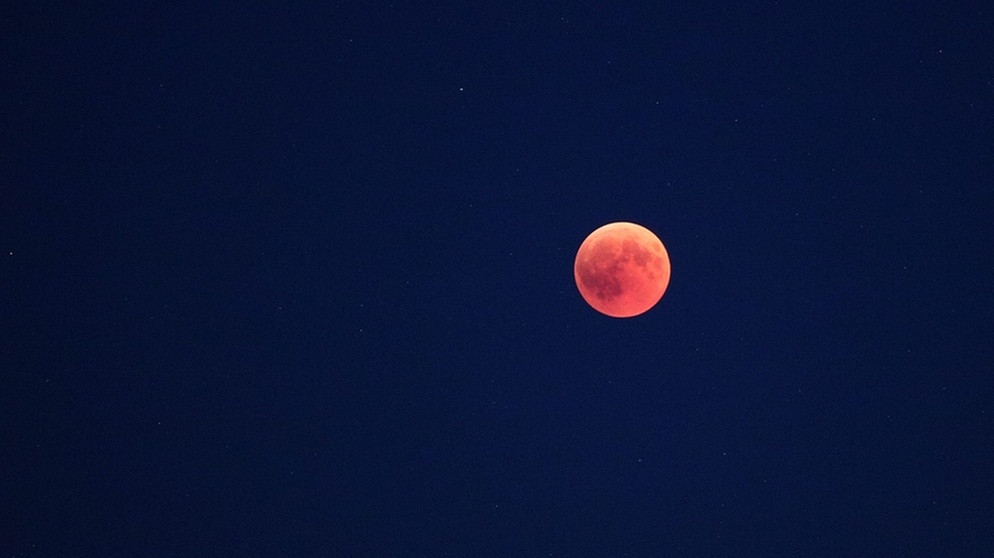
x,y
295,279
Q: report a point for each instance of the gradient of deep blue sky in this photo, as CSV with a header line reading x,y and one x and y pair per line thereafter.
x,y
297,280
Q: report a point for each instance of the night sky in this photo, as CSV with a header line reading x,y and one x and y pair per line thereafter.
x,y
297,280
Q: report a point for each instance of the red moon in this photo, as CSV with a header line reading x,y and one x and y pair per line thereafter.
x,y
622,269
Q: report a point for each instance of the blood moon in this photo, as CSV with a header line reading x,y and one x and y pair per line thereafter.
x,y
622,269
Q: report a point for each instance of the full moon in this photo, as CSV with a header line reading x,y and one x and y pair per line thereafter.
x,y
622,269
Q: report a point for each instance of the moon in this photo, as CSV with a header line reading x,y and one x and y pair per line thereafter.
x,y
622,269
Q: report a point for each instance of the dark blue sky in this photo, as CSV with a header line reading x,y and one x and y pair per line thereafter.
x,y
297,280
